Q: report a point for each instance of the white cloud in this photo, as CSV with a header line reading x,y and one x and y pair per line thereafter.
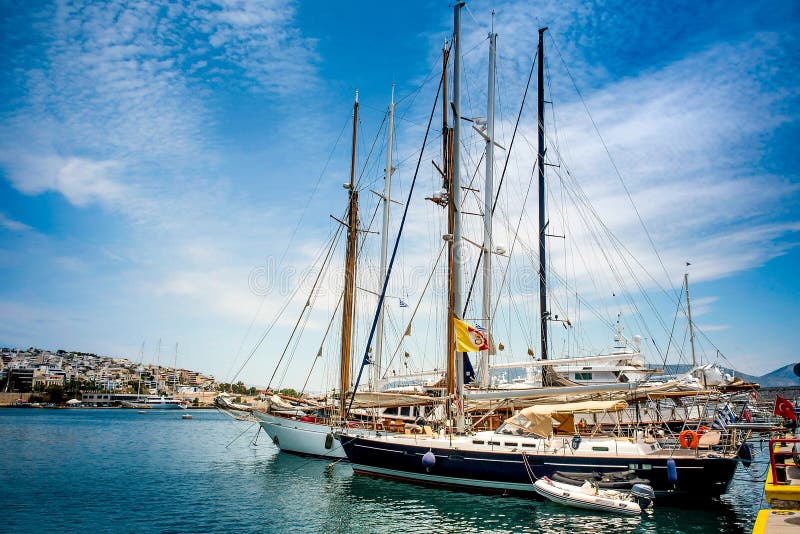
x,y
81,181
714,327
70,263
122,87
13,225
689,137
122,111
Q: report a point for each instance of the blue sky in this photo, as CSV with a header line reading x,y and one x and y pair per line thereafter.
x,y
154,154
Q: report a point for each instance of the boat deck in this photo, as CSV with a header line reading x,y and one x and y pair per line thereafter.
x,y
785,493
781,490
777,522
514,444
684,453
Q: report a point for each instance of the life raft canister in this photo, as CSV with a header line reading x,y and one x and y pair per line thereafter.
x,y
688,439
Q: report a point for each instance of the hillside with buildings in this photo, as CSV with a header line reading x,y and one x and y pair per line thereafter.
x,y
32,370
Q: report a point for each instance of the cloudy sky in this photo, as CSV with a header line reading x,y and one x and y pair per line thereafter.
x,y
167,171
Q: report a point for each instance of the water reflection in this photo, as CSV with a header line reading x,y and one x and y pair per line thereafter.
x,y
376,502
112,470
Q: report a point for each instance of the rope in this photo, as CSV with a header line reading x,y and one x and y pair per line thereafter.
x,y
528,469
289,242
275,319
316,460
611,159
254,441
365,361
308,303
240,435
502,177
414,313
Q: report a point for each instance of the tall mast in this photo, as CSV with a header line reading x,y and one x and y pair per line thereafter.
x,y
487,208
175,371
158,364
387,190
543,313
456,201
447,175
141,368
689,314
349,273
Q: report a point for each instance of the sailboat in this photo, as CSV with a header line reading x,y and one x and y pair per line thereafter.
x,y
301,428
161,402
539,441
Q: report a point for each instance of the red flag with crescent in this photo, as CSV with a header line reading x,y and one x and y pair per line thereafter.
x,y
784,408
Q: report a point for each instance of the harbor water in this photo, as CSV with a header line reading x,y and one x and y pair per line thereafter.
x,y
115,470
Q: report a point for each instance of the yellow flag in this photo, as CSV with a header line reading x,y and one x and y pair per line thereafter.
x,y
469,338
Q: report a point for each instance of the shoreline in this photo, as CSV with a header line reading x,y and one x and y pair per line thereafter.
x,y
18,407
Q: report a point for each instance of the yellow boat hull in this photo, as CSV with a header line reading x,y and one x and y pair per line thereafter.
x,y
777,522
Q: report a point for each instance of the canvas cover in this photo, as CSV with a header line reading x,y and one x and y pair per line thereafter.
x,y
539,420
374,399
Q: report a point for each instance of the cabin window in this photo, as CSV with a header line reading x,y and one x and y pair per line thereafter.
x,y
531,445
478,442
390,411
583,376
511,444
494,443
600,449
405,410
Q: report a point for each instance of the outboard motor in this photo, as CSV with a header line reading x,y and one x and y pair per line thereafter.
x,y
643,494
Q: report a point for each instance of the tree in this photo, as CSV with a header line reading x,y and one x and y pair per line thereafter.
x,y
55,394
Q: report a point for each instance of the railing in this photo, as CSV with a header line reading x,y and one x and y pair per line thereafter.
x,y
773,457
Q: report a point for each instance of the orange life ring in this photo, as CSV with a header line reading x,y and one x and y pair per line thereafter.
x,y
688,439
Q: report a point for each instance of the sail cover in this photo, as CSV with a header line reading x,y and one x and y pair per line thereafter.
x,y
374,399
538,420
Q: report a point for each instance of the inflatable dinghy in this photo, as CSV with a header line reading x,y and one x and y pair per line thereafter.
x,y
590,497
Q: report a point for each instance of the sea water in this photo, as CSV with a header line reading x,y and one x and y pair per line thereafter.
x,y
116,470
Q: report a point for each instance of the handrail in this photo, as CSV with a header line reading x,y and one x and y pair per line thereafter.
x,y
772,463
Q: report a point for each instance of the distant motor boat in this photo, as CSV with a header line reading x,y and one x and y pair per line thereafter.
x,y
160,403
186,416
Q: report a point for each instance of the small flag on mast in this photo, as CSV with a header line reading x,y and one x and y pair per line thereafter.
x,y
470,338
784,408
724,418
403,303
